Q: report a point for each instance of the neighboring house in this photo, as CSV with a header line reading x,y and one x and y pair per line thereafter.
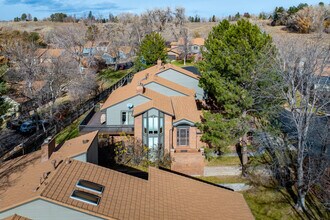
x,y
174,54
106,53
196,45
49,55
195,48
112,58
159,108
58,183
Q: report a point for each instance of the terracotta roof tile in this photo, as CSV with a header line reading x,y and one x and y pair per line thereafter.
x,y
198,41
163,196
154,70
119,95
16,217
185,108
182,107
129,90
75,146
20,177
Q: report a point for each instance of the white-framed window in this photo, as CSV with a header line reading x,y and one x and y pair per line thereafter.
x,y
182,136
127,118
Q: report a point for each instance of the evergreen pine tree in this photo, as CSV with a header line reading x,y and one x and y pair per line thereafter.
x,y
151,49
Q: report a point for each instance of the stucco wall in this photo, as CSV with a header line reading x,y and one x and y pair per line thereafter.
x,y
42,209
114,112
183,80
81,157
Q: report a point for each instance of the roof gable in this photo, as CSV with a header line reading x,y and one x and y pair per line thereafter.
x,y
179,71
23,174
185,108
128,197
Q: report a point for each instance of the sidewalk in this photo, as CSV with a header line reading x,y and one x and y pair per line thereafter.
x,y
223,171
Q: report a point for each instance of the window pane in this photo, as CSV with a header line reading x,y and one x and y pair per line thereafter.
x,y
155,120
161,125
124,118
145,125
183,136
151,125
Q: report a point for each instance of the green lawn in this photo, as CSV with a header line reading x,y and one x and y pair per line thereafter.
x,y
268,203
223,179
70,132
179,63
109,77
224,161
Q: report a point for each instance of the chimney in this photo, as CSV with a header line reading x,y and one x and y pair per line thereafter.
x,y
47,148
159,63
140,89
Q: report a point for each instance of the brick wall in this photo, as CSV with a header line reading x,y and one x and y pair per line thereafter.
x,y
138,127
167,132
188,163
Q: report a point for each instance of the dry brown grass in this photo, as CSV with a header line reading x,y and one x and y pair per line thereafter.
x,y
202,29
280,32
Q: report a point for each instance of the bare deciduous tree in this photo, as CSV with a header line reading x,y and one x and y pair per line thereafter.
x,y
304,151
27,67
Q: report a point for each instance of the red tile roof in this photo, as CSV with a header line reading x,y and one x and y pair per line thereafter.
x,y
16,217
198,41
185,108
163,196
20,177
181,107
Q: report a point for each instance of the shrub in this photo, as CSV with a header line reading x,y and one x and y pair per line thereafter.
x,y
309,19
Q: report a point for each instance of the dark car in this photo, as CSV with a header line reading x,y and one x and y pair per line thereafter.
x,y
28,127
31,126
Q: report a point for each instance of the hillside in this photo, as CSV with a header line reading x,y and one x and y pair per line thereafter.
x,y
202,29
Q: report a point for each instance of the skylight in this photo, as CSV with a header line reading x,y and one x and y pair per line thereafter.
x,y
88,185
85,197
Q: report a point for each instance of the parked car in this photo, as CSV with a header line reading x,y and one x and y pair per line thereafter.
x,y
28,127
31,126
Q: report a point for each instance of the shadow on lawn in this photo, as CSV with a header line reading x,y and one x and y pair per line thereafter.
x,y
314,210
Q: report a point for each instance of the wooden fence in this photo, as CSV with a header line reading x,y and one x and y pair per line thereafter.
x,y
35,141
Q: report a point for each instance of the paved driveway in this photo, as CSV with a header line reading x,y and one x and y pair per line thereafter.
x,y
223,171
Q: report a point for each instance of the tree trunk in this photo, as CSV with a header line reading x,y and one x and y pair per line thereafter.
x,y
244,149
301,205
300,179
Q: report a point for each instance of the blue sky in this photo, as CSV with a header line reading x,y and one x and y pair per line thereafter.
x,y
205,8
